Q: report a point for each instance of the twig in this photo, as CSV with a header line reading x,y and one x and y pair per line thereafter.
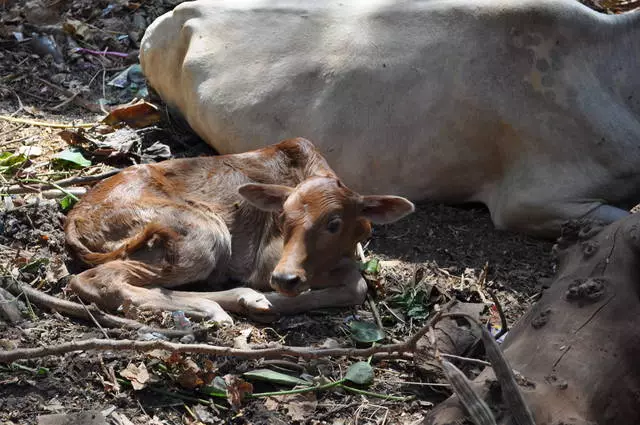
x,y
11,130
76,310
424,384
472,402
267,353
503,319
193,415
20,105
74,192
99,53
465,359
360,252
393,313
180,396
68,93
320,418
145,346
47,124
374,310
511,393
370,300
413,341
377,395
72,181
61,189
93,319
284,364
64,102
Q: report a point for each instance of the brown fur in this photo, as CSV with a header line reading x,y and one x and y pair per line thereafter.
x,y
260,217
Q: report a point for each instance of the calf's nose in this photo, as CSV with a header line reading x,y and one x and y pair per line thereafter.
x,y
284,282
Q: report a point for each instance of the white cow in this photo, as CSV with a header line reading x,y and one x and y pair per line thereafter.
x,y
531,107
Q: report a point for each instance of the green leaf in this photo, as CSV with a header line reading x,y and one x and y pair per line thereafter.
x,y
9,162
67,203
34,265
372,266
218,389
42,371
418,311
72,158
360,373
365,332
274,377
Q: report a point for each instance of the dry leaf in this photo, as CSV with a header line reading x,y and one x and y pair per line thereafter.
x,y
138,375
121,418
300,407
190,375
242,341
76,27
237,389
140,115
271,404
75,138
163,355
56,270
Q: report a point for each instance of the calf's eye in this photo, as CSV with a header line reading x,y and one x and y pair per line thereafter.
x,y
333,226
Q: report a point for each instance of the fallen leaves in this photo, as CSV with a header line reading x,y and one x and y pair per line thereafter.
x,y
237,390
298,407
269,375
71,158
138,115
137,375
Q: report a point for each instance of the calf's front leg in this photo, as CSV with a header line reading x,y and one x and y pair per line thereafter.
x,y
340,287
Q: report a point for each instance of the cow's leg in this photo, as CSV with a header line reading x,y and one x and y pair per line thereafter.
x,y
607,214
200,248
341,287
131,283
545,218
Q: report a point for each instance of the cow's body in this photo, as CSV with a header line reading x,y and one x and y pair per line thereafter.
x,y
274,218
530,107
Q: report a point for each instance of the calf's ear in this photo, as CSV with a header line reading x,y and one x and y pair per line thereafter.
x,y
385,209
267,197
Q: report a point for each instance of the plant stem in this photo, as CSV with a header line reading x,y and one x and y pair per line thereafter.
x,y
299,390
60,188
46,124
377,395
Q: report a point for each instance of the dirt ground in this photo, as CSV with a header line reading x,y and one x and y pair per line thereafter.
x,y
44,78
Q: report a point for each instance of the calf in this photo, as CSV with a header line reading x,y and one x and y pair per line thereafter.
x,y
531,107
276,217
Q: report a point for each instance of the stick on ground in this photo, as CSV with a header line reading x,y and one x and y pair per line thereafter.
x,y
279,351
78,311
72,181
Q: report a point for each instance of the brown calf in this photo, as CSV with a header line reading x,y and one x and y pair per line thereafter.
x,y
275,217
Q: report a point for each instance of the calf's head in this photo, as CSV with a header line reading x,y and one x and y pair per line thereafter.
x,y
322,221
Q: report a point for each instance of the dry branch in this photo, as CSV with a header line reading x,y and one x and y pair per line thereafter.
x,y
72,97
81,312
144,346
473,403
398,350
73,181
46,123
504,374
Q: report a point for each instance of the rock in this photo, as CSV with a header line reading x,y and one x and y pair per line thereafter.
x,y
82,418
